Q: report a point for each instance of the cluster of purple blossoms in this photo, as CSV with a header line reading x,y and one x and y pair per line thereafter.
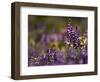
x,y
77,54
73,35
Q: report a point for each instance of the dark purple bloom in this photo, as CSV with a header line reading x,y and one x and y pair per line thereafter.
x,y
59,58
43,60
50,54
76,43
83,56
31,62
73,36
69,28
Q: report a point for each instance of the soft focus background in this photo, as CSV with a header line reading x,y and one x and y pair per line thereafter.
x,y
5,41
57,23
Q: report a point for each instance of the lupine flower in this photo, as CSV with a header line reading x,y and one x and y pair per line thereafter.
x,y
73,36
43,60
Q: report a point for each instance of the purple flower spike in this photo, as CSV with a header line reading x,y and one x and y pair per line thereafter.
x,y
43,60
73,36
